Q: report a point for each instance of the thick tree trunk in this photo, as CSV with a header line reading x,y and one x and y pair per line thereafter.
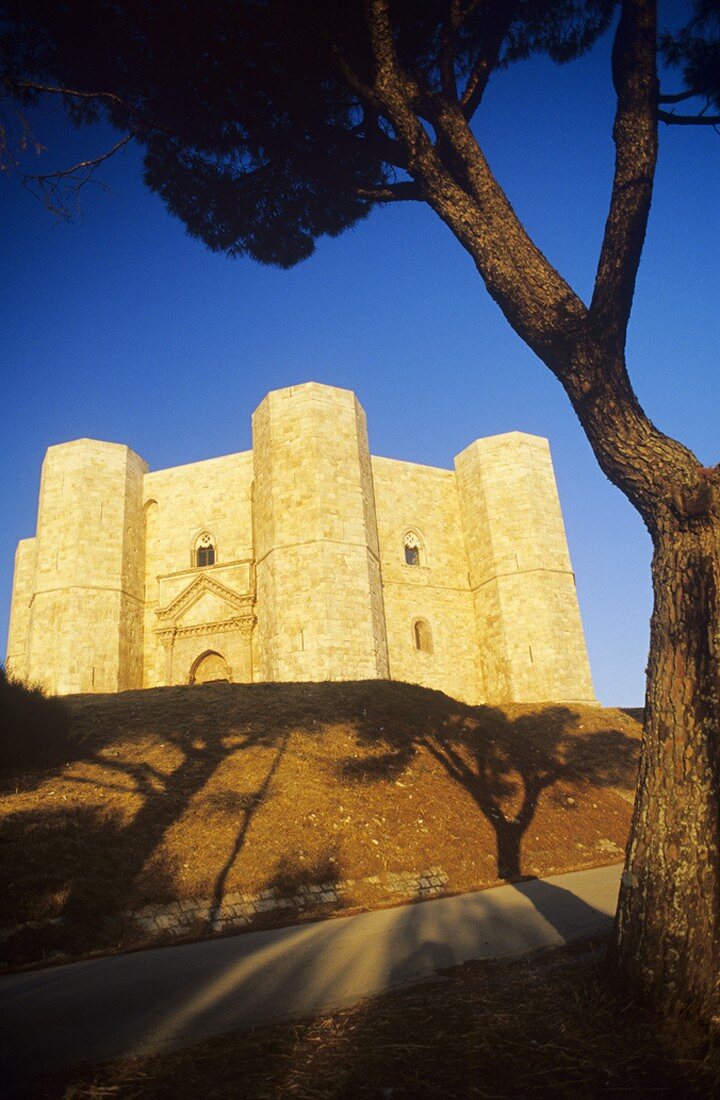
x,y
666,943
509,841
666,938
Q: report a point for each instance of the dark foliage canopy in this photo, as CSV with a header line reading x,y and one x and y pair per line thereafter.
x,y
257,131
696,50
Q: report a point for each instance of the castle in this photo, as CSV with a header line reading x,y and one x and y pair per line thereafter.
x,y
302,559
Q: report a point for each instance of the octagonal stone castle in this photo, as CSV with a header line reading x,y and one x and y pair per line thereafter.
x,y
302,559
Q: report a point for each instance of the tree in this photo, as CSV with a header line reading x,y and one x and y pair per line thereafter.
x,y
268,124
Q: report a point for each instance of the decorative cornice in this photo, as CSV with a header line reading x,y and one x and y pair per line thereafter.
x,y
191,594
243,625
218,567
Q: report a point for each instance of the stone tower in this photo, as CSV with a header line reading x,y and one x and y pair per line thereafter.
x,y
85,569
529,634
319,593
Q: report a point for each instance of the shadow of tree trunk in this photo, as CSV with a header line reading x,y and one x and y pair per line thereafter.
x,y
253,804
486,785
142,836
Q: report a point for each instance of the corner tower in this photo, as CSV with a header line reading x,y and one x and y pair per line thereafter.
x,y
85,629
529,635
319,592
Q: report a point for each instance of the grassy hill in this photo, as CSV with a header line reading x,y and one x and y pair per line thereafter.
x,y
175,793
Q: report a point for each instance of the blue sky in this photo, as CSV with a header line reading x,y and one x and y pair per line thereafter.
x,y
119,327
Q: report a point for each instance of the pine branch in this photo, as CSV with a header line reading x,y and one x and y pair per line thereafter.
x,y
486,62
671,119
678,97
71,93
54,187
406,190
635,138
447,49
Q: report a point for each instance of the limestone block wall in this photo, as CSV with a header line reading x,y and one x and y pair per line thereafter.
x,y
310,579
86,623
23,590
529,635
423,500
319,595
181,503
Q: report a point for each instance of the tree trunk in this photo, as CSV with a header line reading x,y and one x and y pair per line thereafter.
x,y
509,840
666,936
666,942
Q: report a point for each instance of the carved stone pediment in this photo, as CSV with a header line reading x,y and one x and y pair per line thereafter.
x,y
206,606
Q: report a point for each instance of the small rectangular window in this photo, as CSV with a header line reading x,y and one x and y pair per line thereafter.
x,y
205,556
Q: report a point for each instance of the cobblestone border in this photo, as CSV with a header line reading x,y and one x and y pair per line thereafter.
x,y
239,910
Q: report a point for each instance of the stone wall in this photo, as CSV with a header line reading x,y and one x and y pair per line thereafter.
x,y
530,639
328,565
86,623
423,501
319,599
22,595
239,910
182,503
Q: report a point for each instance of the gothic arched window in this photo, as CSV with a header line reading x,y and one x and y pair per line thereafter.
x,y
204,551
413,547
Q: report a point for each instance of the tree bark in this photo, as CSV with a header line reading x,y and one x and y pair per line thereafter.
x,y
666,936
666,941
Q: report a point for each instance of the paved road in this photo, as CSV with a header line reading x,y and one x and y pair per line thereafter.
x,y
170,997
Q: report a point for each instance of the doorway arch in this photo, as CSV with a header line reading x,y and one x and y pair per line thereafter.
x,y
209,667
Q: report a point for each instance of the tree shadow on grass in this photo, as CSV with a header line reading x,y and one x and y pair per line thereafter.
x,y
289,877
504,764
82,864
92,860
252,804
121,856
65,880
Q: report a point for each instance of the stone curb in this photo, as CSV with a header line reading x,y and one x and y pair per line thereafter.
x,y
237,909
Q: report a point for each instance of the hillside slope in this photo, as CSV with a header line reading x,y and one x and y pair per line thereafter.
x,y
188,792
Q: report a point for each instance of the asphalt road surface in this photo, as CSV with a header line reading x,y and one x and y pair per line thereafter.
x,y
170,997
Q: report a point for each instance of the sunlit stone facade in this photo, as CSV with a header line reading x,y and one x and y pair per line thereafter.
x,y
302,559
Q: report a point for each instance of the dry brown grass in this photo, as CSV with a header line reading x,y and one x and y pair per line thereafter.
x,y
542,1027
196,791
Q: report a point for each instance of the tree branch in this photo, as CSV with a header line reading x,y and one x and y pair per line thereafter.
x,y
469,10
74,93
362,90
477,81
392,192
671,119
382,48
49,184
91,164
635,137
447,49
457,183
678,97
539,304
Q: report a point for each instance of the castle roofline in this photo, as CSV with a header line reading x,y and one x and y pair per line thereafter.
x,y
85,440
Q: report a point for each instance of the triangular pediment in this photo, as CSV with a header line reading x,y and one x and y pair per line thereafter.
x,y
205,600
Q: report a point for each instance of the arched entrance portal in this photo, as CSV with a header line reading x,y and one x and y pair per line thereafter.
x,y
208,667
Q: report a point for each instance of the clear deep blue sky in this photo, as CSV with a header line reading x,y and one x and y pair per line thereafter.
x,y
119,327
